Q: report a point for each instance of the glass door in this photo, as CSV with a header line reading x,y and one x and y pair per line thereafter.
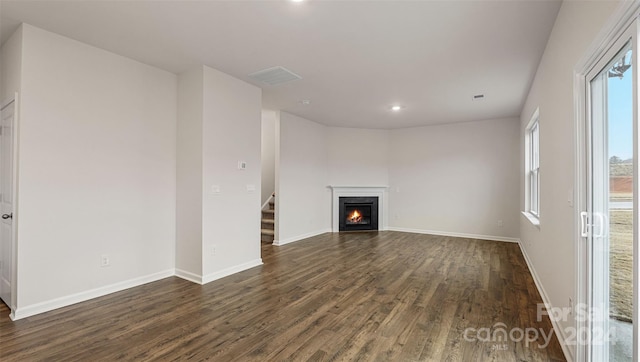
x,y
609,221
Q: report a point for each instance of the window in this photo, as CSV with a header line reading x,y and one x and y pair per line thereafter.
x,y
533,169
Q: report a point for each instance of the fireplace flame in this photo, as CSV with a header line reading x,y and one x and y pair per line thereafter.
x,y
355,217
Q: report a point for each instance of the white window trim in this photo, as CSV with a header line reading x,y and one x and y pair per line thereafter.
x,y
533,217
534,220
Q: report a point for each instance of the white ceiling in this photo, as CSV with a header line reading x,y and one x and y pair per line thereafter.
x,y
356,58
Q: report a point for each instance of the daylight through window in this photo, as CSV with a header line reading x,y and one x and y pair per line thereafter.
x,y
533,135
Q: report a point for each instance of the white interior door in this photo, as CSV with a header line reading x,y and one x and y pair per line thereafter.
x,y
610,225
6,201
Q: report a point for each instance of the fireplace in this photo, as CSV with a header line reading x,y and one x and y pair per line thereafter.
x,y
358,213
368,192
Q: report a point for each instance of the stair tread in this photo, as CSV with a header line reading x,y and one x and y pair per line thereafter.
x,y
268,232
269,211
268,221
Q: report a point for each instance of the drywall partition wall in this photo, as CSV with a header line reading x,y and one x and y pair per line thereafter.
x,y
218,201
231,195
97,172
459,179
10,84
357,157
11,66
189,176
268,154
550,248
303,198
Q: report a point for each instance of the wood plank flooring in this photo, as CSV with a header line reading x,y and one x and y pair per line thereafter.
x,y
375,296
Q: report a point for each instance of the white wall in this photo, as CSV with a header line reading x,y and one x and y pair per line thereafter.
x,y
357,157
268,154
302,196
97,170
456,179
189,174
427,168
310,157
10,83
231,132
11,66
550,248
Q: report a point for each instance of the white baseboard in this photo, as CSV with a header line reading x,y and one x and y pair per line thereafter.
x,y
457,235
300,237
562,337
231,270
192,277
47,306
50,305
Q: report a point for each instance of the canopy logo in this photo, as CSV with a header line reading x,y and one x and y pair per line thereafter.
x,y
500,335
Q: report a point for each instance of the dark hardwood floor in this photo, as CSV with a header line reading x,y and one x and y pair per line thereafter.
x,y
383,296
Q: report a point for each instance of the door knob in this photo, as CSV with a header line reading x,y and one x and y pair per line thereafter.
x,y
7,216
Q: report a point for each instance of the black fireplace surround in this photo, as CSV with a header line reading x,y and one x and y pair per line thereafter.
x,y
358,213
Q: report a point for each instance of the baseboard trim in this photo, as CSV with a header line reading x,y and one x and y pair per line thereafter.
x,y
562,337
457,235
192,277
300,237
31,310
231,270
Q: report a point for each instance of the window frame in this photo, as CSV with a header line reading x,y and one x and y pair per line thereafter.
x,y
532,169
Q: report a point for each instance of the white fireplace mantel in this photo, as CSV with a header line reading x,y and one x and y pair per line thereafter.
x,y
348,191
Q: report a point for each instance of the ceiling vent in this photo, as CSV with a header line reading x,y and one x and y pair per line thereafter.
x,y
478,97
275,76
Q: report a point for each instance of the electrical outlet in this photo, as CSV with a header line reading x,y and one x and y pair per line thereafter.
x,y
500,223
104,260
213,250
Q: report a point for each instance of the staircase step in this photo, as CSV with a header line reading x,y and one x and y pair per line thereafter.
x,y
268,214
268,224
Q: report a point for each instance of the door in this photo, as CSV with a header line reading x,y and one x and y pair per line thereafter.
x,y
609,223
6,202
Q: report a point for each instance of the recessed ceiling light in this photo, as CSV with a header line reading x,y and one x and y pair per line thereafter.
x,y
297,1
396,108
305,102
